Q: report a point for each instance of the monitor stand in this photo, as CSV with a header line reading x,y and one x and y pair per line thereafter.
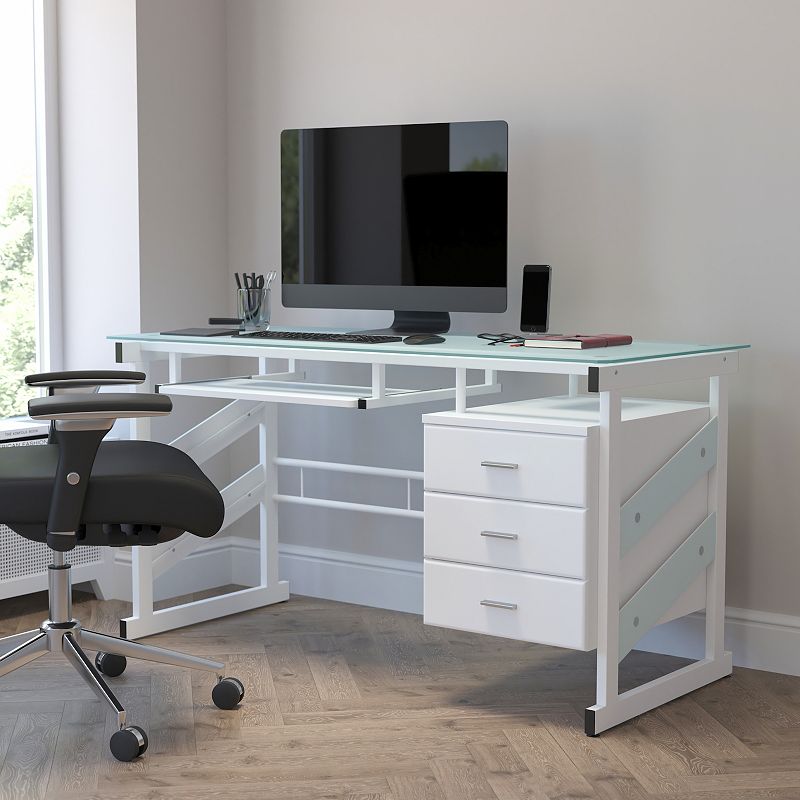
x,y
408,322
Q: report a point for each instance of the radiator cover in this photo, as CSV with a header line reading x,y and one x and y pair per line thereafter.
x,y
23,563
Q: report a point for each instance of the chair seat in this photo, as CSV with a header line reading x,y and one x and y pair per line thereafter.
x,y
132,482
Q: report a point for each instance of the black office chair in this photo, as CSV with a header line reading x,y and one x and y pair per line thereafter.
x,y
79,490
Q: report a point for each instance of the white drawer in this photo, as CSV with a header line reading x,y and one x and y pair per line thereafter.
x,y
517,466
540,608
506,533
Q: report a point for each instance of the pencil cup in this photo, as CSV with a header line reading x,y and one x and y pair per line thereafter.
x,y
253,306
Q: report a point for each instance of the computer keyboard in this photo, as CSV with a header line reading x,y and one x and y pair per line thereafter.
x,y
303,336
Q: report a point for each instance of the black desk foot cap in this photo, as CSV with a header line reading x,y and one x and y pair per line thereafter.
x,y
588,722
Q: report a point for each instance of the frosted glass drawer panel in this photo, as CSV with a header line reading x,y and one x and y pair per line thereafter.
x,y
512,465
506,533
514,605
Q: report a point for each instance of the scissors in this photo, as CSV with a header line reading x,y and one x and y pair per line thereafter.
x,y
252,285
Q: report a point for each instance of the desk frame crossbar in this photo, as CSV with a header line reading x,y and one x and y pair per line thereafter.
x,y
301,498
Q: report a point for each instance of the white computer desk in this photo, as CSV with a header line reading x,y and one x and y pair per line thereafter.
x,y
610,518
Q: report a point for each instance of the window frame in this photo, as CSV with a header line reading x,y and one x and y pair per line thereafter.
x,y
47,189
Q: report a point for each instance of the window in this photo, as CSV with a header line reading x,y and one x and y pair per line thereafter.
x,y
25,330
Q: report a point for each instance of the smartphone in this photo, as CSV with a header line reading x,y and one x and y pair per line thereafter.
x,y
535,299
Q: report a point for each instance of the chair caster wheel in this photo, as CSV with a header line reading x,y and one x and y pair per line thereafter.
x,y
228,693
110,664
128,743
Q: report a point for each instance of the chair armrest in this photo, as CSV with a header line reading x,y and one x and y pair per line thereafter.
x,y
104,406
85,378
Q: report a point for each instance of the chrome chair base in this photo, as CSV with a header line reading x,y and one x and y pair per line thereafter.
x,y
61,633
68,638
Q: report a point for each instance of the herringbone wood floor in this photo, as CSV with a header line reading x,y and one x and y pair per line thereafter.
x,y
351,702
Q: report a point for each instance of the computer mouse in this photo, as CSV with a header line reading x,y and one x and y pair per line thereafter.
x,y
423,338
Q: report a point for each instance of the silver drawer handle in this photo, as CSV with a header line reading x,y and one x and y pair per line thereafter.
x,y
498,535
499,464
499,604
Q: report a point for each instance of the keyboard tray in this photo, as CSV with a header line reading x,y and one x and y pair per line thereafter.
x,y
264,388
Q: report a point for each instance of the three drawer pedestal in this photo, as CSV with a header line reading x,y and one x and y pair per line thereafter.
x,y
511,509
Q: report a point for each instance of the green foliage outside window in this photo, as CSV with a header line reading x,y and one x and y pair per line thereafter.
x,y
17,301
493,163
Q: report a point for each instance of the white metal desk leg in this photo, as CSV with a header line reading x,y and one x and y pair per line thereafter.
x,y
608,557
717,502
613,708
175,368
141,557
268,508
461,391
574,385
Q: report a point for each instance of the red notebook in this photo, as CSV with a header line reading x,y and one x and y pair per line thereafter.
x,y
579,341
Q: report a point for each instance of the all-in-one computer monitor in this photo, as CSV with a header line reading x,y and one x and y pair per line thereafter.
x,y
408,218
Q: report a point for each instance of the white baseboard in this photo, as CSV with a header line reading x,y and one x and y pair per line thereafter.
x,y
207,567
336,575
329,574
757,639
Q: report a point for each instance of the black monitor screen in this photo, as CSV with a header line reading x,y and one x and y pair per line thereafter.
x,y
395,206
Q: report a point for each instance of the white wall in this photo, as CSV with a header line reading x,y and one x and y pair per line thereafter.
x,y
653,162
144,179
99,177
144,163
183,212
183,201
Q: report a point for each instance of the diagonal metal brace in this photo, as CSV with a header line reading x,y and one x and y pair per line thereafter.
x,y
666,585
667,486
220,430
